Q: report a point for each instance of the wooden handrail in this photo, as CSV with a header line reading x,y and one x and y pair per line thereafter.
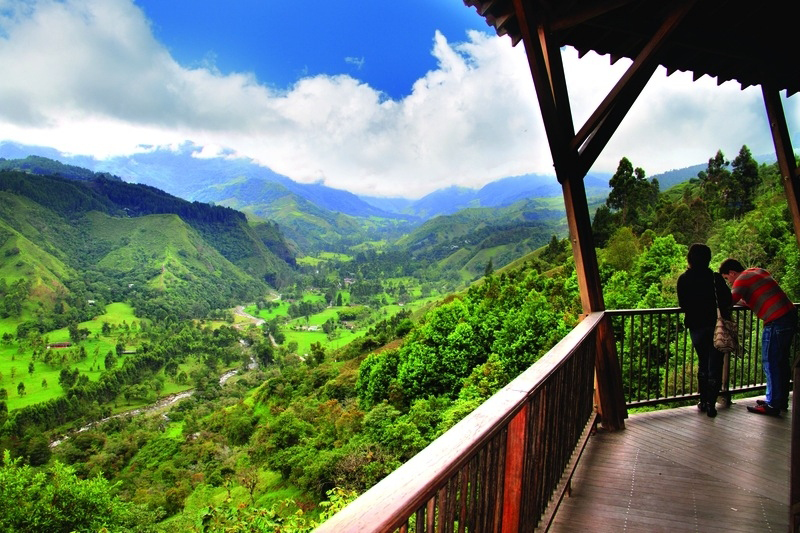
x,y
388,505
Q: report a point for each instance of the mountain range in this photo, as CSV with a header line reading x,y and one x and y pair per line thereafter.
x,y
314,217
240,183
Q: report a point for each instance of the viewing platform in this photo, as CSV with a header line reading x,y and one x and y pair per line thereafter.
x,y
533,457
678,470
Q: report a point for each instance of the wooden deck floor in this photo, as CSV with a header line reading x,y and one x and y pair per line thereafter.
x,y
678,470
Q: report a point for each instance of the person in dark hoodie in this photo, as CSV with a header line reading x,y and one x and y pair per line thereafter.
x,y
700,291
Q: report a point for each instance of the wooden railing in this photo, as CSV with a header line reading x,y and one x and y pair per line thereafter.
x,y
503,467
659,364
506,466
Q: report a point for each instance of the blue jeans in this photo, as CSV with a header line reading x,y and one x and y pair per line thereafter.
x,y
776,341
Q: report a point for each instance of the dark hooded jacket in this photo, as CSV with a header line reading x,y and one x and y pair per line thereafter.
x,y
696,297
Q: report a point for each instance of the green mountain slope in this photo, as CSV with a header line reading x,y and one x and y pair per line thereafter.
x,y
168,256
183,258
21,259
309,226
470,238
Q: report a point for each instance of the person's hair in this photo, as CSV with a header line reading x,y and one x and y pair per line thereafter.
x,y
730,264
699,255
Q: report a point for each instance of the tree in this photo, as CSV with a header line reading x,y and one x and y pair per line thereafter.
x,y
74,332
21,389
489,268
57,500
110,360
744,175
631,194
158,385
317,353
717,186
622,249
31,368
67,378
249,479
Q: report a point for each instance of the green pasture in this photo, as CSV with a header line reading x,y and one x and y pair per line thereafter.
x,y
369,245
304,339
42,384
268,314
323,257
313,296
317,319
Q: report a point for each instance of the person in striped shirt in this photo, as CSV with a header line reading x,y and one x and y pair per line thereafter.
x,y
755,288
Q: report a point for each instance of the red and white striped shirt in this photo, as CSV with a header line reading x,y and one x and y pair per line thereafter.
x,y
758,291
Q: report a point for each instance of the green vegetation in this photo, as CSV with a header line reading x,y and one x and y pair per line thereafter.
x,y
351,362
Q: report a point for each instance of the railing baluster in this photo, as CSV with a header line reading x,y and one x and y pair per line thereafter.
x,y
651,354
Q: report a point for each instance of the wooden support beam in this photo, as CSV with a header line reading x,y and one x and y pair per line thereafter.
x,y
791,185
598,129
544,58
608,377
785,154
794,475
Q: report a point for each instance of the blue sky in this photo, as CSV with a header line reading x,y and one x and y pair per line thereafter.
x,y
385,44
375,97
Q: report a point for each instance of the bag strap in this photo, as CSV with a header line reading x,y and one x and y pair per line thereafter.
x,y
714,288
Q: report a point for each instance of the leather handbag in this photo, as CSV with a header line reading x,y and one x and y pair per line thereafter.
x,y
726,333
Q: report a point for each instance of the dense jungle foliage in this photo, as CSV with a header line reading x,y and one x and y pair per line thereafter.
x,y
287,442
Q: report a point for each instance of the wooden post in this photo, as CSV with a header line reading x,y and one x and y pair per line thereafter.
x,y
547,69
514,471
791,185
794,476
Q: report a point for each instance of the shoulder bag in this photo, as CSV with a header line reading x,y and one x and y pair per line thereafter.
x,y
726,334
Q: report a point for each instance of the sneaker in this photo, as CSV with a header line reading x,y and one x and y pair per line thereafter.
x,y
764,410
702,406
764,402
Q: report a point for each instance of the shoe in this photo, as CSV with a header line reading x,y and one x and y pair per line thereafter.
x,y
702,406
764,410
711,411
764,402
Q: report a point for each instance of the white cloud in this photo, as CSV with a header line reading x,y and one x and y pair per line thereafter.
x,y
88,77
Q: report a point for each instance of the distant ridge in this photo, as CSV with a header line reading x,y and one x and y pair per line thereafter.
x,y
240,183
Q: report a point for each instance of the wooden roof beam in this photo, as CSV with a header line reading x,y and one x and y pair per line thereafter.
x,y
577,17
598,129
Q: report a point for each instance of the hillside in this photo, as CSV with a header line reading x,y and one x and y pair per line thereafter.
x,y
470,238
311,226
134,235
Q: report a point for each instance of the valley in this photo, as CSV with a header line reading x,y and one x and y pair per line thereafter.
x,y
346,350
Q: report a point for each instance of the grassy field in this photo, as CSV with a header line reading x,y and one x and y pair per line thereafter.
x,y
42,384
